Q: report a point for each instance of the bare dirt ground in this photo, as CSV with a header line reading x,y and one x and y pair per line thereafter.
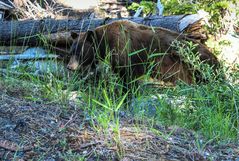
x,y
40,131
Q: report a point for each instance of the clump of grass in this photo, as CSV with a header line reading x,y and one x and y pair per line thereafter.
x,y
187,52
214,112
211,109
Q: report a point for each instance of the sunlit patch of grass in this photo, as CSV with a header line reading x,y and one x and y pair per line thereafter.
x,y
211,109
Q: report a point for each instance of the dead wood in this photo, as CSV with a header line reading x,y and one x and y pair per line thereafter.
x,y
29,32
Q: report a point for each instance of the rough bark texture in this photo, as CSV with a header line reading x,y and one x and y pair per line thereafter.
x,y
16,31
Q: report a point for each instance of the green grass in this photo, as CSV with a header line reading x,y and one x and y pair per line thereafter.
x,y
215,112
209,109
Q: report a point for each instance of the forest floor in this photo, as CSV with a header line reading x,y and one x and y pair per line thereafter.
x,y
38,130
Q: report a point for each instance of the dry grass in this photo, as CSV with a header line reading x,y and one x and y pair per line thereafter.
x,y
36,130
58,9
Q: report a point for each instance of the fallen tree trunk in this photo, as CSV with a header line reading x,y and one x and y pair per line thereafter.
x,y
28,32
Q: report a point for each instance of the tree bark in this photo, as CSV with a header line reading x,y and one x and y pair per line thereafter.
x,y
28,32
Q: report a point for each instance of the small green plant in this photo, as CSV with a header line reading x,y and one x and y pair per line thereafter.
x,y
148,7
187,52
176,7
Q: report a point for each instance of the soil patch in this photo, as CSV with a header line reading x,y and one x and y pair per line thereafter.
x,y
34,130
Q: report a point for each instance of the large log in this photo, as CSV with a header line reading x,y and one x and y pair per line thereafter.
x,y
28,31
